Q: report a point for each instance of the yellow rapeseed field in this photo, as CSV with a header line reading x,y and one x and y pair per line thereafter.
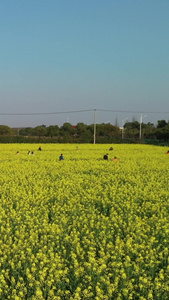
x,y
84,228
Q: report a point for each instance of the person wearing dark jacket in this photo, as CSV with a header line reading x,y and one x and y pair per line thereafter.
x,y
61,157
106,156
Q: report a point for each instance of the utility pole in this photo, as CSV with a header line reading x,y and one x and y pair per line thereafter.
x,y
141,121
94,141
122,130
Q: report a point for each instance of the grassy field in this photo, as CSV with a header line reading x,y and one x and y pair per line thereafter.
x,y
84,228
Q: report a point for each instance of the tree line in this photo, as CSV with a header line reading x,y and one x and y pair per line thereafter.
x,y
82,133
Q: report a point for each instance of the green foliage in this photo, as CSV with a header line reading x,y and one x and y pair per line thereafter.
x,y
26,131
163,133
5,130
132,125
161,124
39,131
67,128
82,133
53,130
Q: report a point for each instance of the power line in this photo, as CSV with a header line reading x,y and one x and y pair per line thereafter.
x,y
45,113
137,112
80,111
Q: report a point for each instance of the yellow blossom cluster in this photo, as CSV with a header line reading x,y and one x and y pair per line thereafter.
x,y
84,228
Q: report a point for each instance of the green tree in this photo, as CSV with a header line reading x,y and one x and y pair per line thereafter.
x,y
148,131
111,130
132,125
67,129
53,130
81,128
5,130
163,133
84,134
132,129
39,131
26,131
161,124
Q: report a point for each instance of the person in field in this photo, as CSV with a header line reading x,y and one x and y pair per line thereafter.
x,y
61,157
40,149
111,148
106,156
17,152
168,152
29,152
115,159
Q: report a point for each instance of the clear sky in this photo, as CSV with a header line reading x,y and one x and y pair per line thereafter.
x,y
71,55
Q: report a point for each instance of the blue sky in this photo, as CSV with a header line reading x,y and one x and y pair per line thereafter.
x,y
62,55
